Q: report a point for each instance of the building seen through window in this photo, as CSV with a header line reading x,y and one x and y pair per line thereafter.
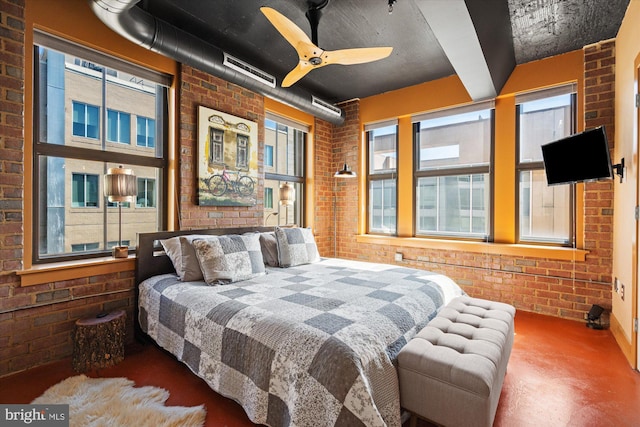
x,y
284,148
544,212
453,182
84,109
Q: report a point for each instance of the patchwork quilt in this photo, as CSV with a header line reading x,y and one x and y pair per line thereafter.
x,y
311,345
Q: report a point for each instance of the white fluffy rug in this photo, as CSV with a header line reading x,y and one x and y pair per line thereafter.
x,y
112,402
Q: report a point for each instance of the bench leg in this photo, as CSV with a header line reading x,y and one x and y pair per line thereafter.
x,y
413,421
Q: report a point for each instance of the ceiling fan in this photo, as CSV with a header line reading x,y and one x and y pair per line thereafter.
x,y
311,56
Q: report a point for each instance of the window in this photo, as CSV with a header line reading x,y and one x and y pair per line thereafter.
x,y
146,193
242,154
84,190
85,247
216,152
382,147
76,90
544,212
268,198
288,139
453,182
145,132
268,156
86,120
118,127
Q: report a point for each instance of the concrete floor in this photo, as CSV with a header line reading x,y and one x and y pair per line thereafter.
x,y
560,374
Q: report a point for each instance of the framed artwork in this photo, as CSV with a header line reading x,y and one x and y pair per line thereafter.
x,y
227,159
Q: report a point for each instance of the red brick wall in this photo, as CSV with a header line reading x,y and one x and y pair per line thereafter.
x,y
324,168
36,322
346,140
557,288
201,89
599,80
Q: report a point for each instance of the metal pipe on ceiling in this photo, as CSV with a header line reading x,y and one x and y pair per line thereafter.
x,y
144,29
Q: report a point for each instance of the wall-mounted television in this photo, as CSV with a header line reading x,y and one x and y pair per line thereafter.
x,y
580,157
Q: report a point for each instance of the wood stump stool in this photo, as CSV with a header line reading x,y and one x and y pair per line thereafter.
x,y
99,341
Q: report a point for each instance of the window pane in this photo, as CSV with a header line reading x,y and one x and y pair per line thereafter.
x,y
543,121
278,213
382,206
112,125
125,128
268,198
453,205
93,121
382,149
78,119
459,140
288,148
545,211
77,190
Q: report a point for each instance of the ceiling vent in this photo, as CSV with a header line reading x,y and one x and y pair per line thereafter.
x,y
329,108
249,70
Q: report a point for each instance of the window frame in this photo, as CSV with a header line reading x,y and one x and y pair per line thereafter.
x,y
45,149
388,175
456,171
539,165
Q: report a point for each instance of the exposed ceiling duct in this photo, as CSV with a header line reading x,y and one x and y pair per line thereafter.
x,y
146,30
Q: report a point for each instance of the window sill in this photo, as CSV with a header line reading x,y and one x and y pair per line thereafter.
x,y
69,270
511,249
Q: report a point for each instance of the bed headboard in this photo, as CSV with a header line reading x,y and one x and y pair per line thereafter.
x,y
151,259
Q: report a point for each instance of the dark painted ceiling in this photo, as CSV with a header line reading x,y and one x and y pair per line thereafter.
x,y
430,38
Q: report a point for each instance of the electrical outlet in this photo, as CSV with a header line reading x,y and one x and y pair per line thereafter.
x,y
622,291
398,256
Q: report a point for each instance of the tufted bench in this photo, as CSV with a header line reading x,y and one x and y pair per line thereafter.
x,y
451,372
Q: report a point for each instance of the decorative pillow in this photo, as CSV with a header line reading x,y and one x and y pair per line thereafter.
x,y
296,246
269,246
230,258
183,256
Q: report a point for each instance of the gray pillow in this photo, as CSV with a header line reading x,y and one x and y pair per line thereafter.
x,y
183,256
269,247
296,246
229,258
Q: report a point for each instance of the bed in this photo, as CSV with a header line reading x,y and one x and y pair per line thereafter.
x,y
310,344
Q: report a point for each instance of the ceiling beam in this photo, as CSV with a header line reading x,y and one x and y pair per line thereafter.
x,y
480,51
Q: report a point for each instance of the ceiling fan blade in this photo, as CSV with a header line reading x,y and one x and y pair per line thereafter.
x,y
297,73
355,56
290,31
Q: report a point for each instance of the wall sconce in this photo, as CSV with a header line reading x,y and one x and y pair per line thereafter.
x,y
345,172
120,186
619,169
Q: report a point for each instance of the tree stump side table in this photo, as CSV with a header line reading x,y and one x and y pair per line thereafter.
x,y
98,342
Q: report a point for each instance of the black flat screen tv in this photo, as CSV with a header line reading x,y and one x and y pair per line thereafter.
x,y
580,157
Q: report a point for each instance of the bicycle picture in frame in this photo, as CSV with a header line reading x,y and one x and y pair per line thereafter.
x,y
227,159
